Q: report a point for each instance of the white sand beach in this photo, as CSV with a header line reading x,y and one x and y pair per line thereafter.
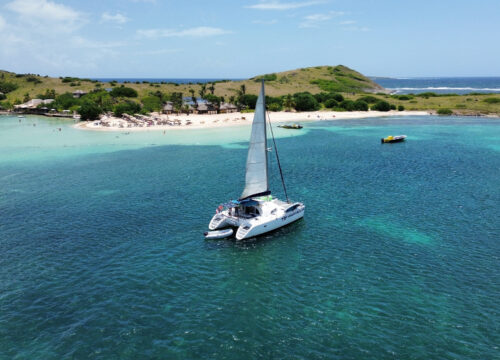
x,y
158,122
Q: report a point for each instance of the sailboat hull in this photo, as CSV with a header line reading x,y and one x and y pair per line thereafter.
x,y
267,225
271,216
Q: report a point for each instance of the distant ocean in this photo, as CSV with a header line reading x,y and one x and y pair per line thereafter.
x,y
441,85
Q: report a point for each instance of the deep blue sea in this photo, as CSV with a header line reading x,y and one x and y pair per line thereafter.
x,y
397,257
441,85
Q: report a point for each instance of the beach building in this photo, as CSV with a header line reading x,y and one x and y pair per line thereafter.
x,y
168,108
79,93
206,108
226,108
32,105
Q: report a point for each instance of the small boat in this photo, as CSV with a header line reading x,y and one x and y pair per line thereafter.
x,y
218,234
393,139
293,126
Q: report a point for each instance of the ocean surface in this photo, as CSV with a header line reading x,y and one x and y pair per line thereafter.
x,y
444,85
397,257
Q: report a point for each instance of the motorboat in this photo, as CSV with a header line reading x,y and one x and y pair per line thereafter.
x,y
293,126
393,139
257,212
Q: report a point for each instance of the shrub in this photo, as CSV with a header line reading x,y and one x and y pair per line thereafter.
x,y
305,102
2,96
331,103
151,103
427,95
492,100
267,77
128,107
403,97
7,87
381,105
369,99
65,101
321,97
393,107
69,79
348,105
33,79
401,108
248,100
123,91
444,112
274,103
337,97
89,110
275,107
360,105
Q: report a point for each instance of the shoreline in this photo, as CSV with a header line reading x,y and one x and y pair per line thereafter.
x,y
158,122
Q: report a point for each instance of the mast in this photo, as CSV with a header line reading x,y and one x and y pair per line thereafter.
x,y
256,176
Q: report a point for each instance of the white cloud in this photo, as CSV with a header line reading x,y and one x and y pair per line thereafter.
x,y
201,31
46,13
265,22
277,5
357,28
116,18
2,23
314,20
43,9
159,52
81,42
347,22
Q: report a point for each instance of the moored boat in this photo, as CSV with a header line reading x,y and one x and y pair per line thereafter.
x,y
218,234
256,212
293,126
393,139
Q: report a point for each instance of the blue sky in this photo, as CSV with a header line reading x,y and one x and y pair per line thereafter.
x,y
238,39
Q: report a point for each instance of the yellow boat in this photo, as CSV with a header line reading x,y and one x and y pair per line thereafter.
x,y
393,139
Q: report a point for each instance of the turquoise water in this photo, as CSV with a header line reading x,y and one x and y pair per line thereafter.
x,y
102,253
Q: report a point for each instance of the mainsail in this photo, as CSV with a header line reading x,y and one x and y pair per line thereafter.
x,y
256,181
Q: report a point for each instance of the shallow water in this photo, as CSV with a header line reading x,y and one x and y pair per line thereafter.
x,y
397,256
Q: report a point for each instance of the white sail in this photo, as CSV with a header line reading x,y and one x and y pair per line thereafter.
x,y
256,181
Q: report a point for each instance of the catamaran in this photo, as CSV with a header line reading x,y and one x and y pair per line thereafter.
x,y
256,212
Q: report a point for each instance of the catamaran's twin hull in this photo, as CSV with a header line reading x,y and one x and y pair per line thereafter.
x,y
248,228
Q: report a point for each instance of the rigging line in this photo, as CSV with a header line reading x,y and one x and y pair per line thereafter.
x,y
277,157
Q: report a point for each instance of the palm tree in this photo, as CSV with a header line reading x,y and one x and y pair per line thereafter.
x,y
243,89
288,102
203,90
212,88
193,98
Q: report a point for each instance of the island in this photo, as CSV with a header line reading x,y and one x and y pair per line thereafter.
x,y
313,93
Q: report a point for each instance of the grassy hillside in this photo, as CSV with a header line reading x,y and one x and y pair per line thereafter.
x,y
314,79
319,79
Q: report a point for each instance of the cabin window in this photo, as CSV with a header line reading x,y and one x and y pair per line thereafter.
x,y
291,208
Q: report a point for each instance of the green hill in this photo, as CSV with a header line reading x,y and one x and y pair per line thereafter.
x,y
313,79
319,80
